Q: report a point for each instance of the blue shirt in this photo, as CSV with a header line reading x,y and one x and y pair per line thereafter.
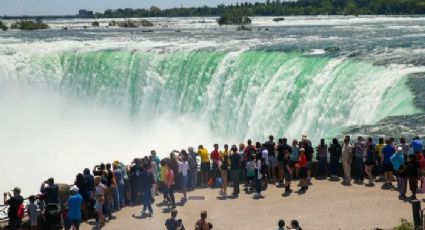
x,y
388,151
417,146
74,207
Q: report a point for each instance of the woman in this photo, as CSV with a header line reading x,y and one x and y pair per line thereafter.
x,y
250,173
258,177
294,158
183,171
224,156
370,159
302,166
169,184
322,156
335,150
100,199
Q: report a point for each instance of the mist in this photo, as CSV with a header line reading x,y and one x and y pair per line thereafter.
x,y
45,135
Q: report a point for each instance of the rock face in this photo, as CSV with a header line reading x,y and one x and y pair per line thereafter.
x,y
407,126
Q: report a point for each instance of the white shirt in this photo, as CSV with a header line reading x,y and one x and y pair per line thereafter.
x,y
265,156
183,166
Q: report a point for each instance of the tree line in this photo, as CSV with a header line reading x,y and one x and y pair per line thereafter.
x,y
278,7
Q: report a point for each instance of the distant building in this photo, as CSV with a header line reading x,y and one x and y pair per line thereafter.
x,y
85,13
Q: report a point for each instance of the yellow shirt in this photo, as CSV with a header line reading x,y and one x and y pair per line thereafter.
x,y
379,148
223,154
162,171
203,153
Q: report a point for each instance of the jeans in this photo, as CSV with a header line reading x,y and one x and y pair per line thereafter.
x,y
413,184
121,194
116,197
235,179
402,185
147,200
323,165
358,168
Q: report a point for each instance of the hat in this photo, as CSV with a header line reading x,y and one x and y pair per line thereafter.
x,y
399,149
74,188
16,189
302,150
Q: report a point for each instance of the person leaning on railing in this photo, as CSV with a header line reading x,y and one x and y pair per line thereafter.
x,y
16,208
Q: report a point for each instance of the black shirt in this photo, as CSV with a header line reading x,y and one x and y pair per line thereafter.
x,y
270,145
286,162
309,152
51,194
14,203
412,169
281,151
171,224
235,161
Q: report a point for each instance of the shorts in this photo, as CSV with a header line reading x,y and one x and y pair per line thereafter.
x,y
388,167
72,222
370,163
272,161
303,173
205,166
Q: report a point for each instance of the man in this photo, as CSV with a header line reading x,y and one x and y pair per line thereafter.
x,y
271,146
193,168
235,166
147,180
205,164
281,147
16,209
73,217
50,191
309,151
359,151
417,145
387,153
346,158
215,157
135,184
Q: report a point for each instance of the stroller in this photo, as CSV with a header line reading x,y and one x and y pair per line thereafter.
x,y
52,217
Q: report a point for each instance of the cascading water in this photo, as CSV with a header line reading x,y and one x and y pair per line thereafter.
x,y
241,94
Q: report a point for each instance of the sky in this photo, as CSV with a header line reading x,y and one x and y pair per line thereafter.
x,y
71,7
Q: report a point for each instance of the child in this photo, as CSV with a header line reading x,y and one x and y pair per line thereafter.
x,y
32,212
172,223
161,184
250,172
281,225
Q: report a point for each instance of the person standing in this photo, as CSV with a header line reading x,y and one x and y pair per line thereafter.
x,y
224,167
346,158
412,172
146,181
169,185
302,165
379,170
215,158
16,208
335,151
387,152
405,147
417,145
205,164
294,158
271,145
397,160
183,170
287,172
370,160
322,155
100,190
359,152
258,177
193,168
73,217
32,211
235,167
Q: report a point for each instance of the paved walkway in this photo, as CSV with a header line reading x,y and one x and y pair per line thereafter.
x,y
326,205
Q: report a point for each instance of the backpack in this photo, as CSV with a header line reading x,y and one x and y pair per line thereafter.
x,y
20,213
193,164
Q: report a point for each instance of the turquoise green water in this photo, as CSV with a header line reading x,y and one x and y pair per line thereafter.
x,y
240,94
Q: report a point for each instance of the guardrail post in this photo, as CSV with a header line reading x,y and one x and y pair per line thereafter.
x,y
416,209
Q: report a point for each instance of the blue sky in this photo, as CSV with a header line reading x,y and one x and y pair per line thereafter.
x,y
60,7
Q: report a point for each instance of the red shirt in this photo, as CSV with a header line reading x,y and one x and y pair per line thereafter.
x,y
302,161
215,155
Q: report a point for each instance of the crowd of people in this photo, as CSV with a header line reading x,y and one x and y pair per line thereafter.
x,y
109,187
